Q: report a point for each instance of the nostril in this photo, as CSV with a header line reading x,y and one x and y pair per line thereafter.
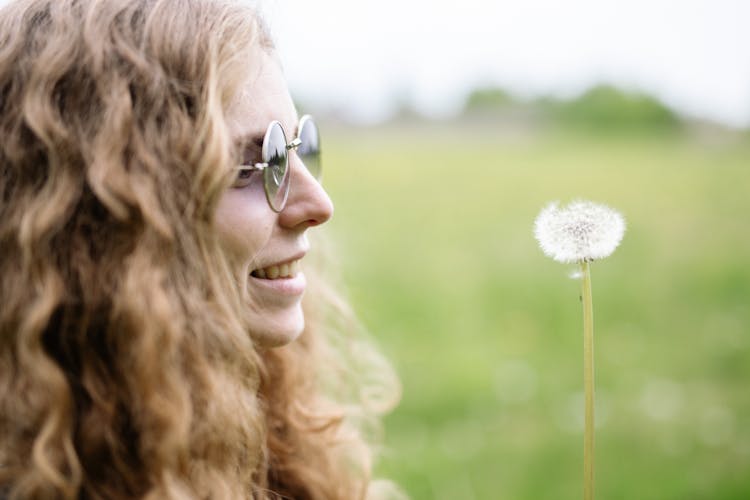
x,y
308,202
325,210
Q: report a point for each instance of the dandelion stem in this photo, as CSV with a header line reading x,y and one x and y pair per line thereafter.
x,y
588,382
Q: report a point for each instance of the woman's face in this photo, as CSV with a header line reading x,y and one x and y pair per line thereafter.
x,y
258,238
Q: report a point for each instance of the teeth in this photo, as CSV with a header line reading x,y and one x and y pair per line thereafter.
x,y
286,270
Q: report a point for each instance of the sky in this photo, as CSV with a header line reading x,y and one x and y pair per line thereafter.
x,y
361,57
364,57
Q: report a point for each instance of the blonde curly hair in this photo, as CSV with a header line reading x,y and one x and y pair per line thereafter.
x,y
126,366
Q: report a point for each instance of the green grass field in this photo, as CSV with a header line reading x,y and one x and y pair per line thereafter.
x,y
434,229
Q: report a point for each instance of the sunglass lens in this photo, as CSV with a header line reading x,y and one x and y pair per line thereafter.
x,y
309,149
276,176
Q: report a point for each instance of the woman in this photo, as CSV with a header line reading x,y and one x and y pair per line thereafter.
x,y
157,193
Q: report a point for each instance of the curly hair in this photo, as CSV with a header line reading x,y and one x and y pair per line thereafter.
x,y
126,365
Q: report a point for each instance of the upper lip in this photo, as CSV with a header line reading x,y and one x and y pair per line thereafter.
x,y
294,257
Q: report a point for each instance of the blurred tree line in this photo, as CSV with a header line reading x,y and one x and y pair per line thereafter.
x,y
602,107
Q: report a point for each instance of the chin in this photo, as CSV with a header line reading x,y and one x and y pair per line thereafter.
x,y
279,331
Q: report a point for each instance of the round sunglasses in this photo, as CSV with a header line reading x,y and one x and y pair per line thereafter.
x,y
275,159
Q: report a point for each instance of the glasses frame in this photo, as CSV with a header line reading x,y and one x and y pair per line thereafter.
x,y
265,166
318,172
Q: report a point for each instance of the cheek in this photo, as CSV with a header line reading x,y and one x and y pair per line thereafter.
x,y
243,223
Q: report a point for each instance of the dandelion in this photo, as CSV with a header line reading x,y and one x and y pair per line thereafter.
x,y
581,233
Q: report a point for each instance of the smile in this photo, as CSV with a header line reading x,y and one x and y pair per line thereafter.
x,y
280,271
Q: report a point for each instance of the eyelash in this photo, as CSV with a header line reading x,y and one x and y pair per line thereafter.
x,y
249,154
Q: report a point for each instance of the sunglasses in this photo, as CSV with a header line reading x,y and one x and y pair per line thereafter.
x,y
275,160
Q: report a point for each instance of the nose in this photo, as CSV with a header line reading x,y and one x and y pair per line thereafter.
x,y
308,204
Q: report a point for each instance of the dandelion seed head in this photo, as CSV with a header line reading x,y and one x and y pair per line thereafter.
x,y
580,231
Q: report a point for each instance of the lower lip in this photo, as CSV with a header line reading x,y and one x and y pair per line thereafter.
x,y
283,286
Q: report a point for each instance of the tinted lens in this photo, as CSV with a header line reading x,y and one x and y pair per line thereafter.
x,y
309,149
276,176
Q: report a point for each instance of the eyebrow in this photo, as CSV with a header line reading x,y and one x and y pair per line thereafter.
x,y
256,137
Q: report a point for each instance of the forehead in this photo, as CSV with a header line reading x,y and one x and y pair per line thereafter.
x,y
264,97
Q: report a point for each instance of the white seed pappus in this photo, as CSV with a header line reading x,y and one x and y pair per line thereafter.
x,y
581,231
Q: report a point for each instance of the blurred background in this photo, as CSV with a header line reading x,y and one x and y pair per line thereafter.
x,y
448,126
